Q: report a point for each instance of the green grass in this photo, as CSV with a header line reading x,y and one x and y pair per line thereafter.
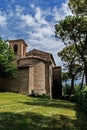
x,y
19,112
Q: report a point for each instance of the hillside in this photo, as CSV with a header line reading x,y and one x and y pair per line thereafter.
x,y
19,112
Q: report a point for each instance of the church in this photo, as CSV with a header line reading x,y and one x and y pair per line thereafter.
x,y
37,72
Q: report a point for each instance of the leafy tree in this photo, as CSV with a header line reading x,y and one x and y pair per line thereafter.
x,y
78,7
7,66
65,77
71,59
73,30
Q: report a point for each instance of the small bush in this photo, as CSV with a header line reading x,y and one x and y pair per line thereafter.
x,y
35,94
65,97
81,98
32,94
72,98
66,90
84,99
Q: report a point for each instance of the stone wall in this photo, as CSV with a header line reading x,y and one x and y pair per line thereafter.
x,y
47,83
20,84
31,79
39,78
29,61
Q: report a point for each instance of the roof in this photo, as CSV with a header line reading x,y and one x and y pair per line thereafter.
x,y
18,40
41,54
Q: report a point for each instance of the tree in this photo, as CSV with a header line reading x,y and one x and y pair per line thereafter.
x,y
7,66
78,7
71,59
65,77
73,30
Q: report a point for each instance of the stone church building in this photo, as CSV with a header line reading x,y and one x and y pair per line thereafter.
x,y
37,72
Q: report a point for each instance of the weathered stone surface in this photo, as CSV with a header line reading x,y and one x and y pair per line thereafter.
x,y
21,47
20,84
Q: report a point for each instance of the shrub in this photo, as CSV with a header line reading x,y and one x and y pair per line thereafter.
x,y
84,99
72,98
35,94
81,98
66,90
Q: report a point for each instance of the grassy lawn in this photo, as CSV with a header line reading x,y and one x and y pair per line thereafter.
x,y
19,112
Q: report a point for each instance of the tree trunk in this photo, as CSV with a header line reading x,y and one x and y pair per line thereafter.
x,y
72,86
81,86
85,72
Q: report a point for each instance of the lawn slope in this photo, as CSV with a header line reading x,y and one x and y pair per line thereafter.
x,y
19,112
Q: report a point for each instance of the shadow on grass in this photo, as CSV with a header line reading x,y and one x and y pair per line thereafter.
x,y
81,122
33,121
50,103
65,122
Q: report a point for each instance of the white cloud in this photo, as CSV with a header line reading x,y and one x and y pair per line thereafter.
x,y
10,13
46,31
3,19
28,19
32,6
19,10
60,13
66,9
38,14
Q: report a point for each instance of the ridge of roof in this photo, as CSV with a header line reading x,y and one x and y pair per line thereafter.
x,y
39,51
49,56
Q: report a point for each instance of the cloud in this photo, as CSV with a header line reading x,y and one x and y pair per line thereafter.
x,y
62,12
3,19
19,10
32,6
28,20
66,9
38,14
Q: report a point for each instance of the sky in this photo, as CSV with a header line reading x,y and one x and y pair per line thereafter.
x,y
33,21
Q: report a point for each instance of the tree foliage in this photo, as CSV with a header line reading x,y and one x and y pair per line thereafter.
x,y
73,30
78,6
72,63
7,66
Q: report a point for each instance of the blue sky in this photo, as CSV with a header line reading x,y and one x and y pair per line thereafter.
x,y
33,21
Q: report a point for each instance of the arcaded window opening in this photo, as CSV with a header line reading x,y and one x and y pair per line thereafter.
x,y
15,48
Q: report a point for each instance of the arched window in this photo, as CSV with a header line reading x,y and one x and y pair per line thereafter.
x,y
15,48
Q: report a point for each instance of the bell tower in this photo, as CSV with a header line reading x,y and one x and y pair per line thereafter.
x,y
19,47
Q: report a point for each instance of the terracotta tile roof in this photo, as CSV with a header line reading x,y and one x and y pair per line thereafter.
x,y
41,54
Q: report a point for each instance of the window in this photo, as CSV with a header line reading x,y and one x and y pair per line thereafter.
x,y
15,48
